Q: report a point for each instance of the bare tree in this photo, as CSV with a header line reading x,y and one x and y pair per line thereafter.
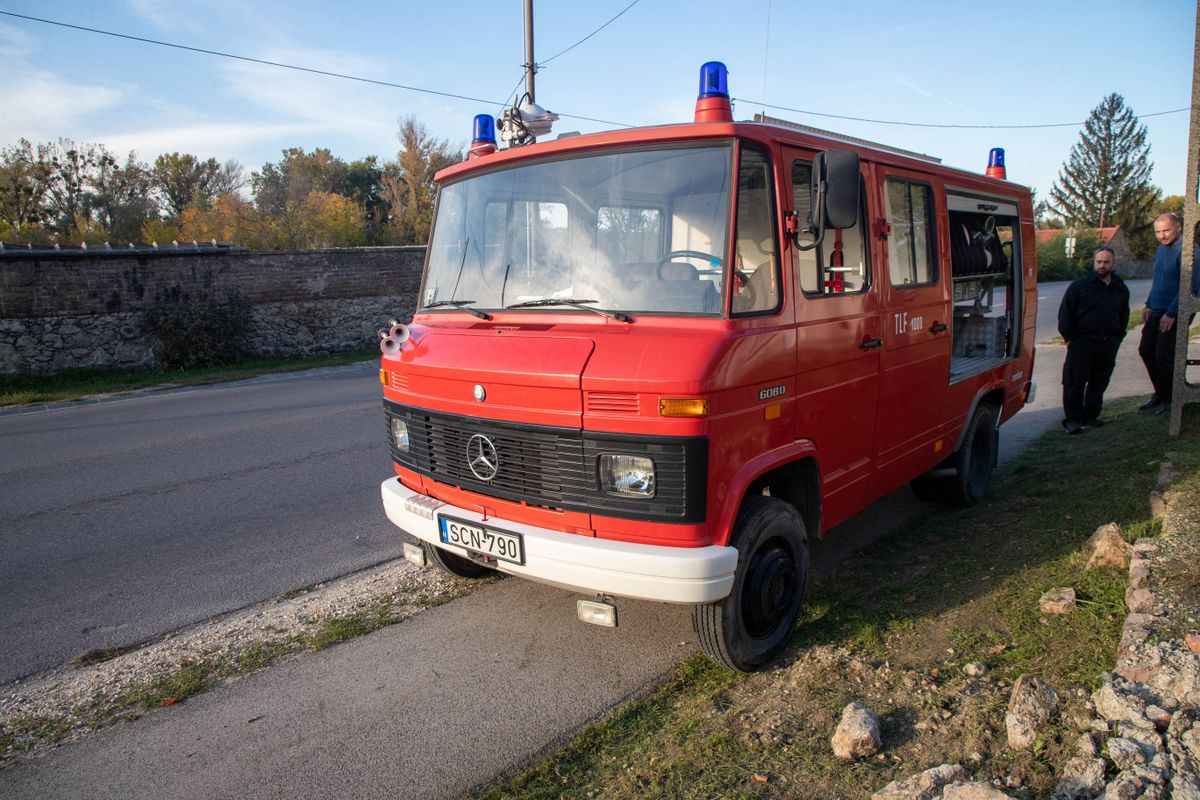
x,y
408,185
24,179
183,180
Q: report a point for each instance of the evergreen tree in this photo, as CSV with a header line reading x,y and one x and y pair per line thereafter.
x,y
1107,175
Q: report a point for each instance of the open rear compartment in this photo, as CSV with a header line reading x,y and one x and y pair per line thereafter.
x,y
984,247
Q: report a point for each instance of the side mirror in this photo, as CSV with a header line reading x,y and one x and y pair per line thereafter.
x,y
835,189
839,170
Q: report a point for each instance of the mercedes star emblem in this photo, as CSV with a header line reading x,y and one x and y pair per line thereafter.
x,y
482,457
479,392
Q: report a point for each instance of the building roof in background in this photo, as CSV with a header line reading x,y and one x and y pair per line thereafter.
x,y
1104,234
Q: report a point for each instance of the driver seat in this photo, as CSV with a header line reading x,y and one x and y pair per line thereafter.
x,y
679,271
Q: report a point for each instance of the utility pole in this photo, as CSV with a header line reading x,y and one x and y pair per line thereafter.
x,y
530,64
1184,392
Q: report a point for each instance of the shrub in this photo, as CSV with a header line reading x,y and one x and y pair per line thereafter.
x,y
199,332
1053,264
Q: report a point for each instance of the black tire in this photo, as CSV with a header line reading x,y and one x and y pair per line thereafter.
x,y
975,460
454,564
755,622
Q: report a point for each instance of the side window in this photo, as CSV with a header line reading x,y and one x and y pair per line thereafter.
x,y
911,252
755,283
839,265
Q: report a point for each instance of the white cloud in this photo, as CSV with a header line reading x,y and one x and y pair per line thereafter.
x,y
44,106
162,14
14,43
929,23
319,102
202,138
926,93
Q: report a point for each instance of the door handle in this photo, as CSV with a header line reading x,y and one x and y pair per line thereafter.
x,y
938,327
867,344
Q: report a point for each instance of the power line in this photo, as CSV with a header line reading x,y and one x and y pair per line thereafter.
x,y
295,67
504,105
940,125
590,35
419,89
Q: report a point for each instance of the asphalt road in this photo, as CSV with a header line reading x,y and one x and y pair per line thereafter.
x,y
1050,297
126,519
429,708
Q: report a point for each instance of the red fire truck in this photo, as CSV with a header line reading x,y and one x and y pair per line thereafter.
x,y
653,363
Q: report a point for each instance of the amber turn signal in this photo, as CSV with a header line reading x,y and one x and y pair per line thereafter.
x,y
383,378
683,406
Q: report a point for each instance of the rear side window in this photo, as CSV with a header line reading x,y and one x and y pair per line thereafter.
x,y
912,259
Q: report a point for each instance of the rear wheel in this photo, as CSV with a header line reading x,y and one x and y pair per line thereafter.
x,y
754,623
454,564
930,489
975,459
973,464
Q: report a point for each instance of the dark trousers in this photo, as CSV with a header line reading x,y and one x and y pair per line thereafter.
x,y
1088,366
1157,350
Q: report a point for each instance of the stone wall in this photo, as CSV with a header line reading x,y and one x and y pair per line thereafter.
x,y
79,309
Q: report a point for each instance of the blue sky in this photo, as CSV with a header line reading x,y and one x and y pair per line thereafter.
x,y
1016,63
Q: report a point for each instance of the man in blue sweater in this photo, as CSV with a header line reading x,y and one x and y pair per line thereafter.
x,y
1157,347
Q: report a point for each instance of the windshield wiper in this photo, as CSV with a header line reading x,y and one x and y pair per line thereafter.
x,y
461,305
567,301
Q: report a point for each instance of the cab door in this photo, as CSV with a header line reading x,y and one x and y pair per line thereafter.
x,y
916,334
838,345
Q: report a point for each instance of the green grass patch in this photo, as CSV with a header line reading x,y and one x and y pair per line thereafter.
x,y
192,677
893,629
21,733
74,384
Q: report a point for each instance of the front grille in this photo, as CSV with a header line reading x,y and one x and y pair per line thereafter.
x,y
536,467
554,467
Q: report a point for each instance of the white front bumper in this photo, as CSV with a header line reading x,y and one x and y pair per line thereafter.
x,y
648,572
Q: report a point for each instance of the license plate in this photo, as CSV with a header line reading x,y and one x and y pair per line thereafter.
x,y
496,544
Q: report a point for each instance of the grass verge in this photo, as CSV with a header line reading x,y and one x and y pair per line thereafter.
x,y
893,629
24,390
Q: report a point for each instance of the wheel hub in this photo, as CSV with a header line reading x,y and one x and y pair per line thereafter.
x,y
769,589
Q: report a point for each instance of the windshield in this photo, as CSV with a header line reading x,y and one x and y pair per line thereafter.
x,y
627,231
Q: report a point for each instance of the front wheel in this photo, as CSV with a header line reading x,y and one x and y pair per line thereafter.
x,y
754,623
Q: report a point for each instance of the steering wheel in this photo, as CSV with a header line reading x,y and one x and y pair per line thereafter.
x,y
671,256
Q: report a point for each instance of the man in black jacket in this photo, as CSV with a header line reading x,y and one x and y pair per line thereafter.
x,y
1092,319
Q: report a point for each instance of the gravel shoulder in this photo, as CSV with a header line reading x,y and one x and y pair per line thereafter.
x,y
65,704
